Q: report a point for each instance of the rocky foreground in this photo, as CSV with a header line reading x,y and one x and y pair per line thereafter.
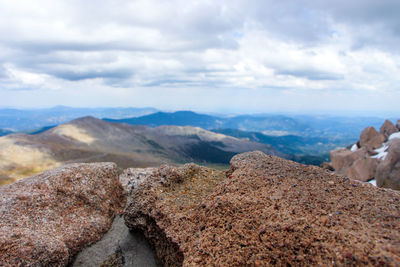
x,y
46,219
264,210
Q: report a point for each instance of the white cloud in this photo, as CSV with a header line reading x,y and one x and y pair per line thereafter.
x,y
201,54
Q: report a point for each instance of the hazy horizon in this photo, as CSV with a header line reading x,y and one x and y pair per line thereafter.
x,y
306,56
221,112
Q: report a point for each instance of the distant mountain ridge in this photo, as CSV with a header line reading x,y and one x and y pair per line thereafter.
x,y
33,119
5,132
242,122
93,140
269,124
179,118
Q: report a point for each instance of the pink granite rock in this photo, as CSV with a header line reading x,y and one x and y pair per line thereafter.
x,y
371,139
388,170
342,158
388,128
265,211
363,169
46,219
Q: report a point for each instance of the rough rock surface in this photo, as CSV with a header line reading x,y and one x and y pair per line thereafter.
x,y
371,139
388,128
265,211
342,158
119,247
388,170
363,169
398,124
46,219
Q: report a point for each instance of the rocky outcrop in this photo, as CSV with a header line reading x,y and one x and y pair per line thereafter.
x,y
371,139
343,158
363,169
388,128
46,219
367,159
264,211
356,164
388,170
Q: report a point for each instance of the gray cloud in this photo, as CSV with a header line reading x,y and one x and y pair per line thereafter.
x,y
3,72
72,75
192,45
311,74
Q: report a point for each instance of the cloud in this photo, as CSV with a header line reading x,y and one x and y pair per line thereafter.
x,y
311,74
200,47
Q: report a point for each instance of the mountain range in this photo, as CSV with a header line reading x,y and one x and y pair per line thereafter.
x,y
138,137
332,127
93,140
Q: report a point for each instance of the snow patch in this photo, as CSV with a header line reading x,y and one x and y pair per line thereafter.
x,y
354,148
381,152
394,135
373,182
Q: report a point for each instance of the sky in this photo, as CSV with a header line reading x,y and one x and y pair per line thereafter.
x,y
218,56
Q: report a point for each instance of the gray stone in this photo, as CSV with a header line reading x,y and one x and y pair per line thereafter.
x,y
131,248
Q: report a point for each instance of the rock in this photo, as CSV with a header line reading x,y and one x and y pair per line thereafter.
x,y
388,128
363,169
388,170
398,124
342,158
326,165
265,211
118,247
140,175
355,164
371,139
177,190
46,219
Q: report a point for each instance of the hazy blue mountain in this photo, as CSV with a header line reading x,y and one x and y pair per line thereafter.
x,y
329,127
28,119
307,150
4,132
339,127
288,144
274,123
179,118
260,123
40,130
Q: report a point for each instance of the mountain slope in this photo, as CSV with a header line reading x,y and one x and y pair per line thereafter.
x,y
92,140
